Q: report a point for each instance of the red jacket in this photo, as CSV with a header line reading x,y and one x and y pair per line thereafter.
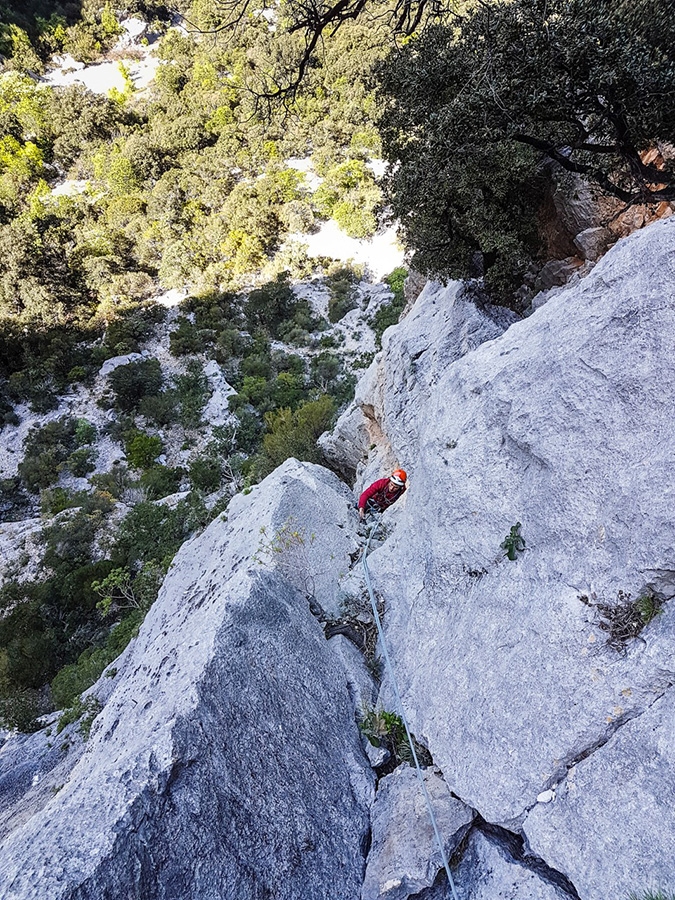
x,y
382,493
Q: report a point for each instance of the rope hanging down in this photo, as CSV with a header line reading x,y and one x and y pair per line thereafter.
x,y
390,670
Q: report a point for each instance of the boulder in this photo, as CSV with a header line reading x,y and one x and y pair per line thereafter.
x,y
405,857
116,361
226,761
593,242
557,272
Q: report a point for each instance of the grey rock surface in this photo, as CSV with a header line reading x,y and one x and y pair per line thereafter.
x,y
488,870
563,423
226,762
116,361
593,242
404,857
629,782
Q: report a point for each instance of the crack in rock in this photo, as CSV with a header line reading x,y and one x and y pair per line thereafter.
x,y
515,846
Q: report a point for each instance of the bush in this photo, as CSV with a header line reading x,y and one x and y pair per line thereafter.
x,y
115,482
153,533
161,481
389,313
187,338
85,432
134,381
342,283
206,473
46,452
127,332
142,449
192,392
270,306
14,501
81,462
296,433
160,409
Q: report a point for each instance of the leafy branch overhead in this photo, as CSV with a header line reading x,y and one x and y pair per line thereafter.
x,y
478,116
308,23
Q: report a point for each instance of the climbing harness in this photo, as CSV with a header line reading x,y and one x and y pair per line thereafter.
x,y
390,669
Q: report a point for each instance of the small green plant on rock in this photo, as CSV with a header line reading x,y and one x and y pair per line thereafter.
x,y
287,548
624,619
84,710
651,895
513,543
383,728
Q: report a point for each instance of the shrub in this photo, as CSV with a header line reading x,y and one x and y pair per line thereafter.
x,y
142,449
134,381
271,305
192,392
206,473
389,313
85,432
46,451
127,331
160,409
14,501
115,482
81,462
294,433
149,532
342,283
187,338
161,481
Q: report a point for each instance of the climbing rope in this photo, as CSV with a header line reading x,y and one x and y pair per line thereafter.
x,y
390,669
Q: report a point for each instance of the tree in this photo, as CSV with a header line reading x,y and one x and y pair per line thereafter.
x,y
472,112
306,23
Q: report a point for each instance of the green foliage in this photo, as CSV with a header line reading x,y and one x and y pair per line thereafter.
x,y
386,729
142,449
151,533
295,433
160,481
85,432
342,283
83,710
349,195
192,392
115,482
81,462
513,543
271,305
14,502
473,108
46,451
206,473
389,313
132,382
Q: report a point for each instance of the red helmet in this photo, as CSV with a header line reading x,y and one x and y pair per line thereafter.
x,y
399,477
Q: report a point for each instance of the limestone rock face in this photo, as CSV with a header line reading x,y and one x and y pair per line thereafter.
x,y
563,424
443,325
405,857
226,762
489,870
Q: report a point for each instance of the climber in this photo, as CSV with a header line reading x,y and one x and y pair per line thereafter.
x,y
382,493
